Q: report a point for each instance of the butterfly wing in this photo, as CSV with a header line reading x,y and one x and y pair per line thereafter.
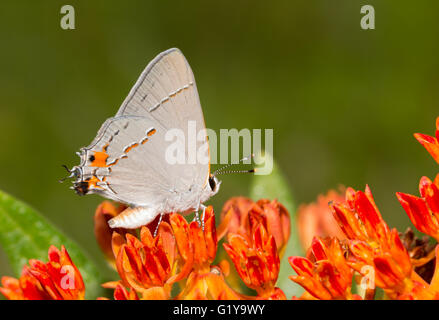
x,y
165,91
127,159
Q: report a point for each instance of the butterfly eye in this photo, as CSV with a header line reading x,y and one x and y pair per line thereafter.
x,y
77,172
212,182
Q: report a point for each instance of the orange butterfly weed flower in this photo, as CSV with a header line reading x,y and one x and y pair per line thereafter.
x,y
58,279
278,222
236,210
235,217
326,274
181,251
103,233
147,264
256,257
423,211
121,293
315,219
430,143
375,248
204,281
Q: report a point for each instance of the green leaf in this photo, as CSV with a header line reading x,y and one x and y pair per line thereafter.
x,y
25,234
275,186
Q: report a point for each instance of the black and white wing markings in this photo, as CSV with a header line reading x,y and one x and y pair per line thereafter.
x,y
105,152
168,97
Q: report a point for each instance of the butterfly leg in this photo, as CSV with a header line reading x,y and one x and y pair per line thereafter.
x,y
197,216
203,207
158,224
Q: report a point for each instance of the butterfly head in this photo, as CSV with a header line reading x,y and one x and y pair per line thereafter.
x,y
80,186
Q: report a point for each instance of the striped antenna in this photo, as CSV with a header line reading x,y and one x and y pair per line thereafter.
x,y
238,171
220,170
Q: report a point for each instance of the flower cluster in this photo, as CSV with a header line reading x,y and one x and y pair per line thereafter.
x,y
373,254
184,253
351,251
177,263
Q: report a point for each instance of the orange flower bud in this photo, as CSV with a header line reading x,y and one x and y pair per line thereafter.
x,y
315,219
148,262
244,212
329,276
239,207
278,222
121,293
423,212
103,233
256,259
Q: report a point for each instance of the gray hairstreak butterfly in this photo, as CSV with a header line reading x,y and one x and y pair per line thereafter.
x,y
126,162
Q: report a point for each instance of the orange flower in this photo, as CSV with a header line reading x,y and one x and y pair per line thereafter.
x,y
208,285
150,266
330,276
11,289
276,218
434,284
391,266
199,247
359,217
120,291
256,258
146,263
430,143
375,247
59,279
278,222
315,219
195,245
423,212
371,240
237,208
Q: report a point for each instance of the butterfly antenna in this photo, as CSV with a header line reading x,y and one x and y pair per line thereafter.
x,y
220,170
69,176
238,171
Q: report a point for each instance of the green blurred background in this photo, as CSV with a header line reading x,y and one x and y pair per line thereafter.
x,y
343,102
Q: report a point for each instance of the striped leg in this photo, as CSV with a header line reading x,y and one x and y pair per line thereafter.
x,y
158,224
203,207
197,216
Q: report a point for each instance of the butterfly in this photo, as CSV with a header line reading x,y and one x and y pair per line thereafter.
x,y
126,161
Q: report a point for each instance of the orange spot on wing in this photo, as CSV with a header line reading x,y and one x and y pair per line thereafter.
x,y
151,132
93,182
100,159
129,148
